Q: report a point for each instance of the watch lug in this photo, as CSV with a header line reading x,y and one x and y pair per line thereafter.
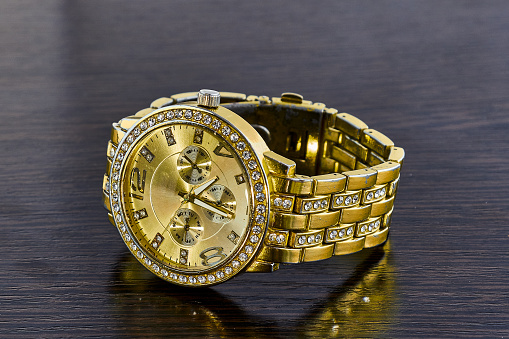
x,y
158,103
110,217
116,133
143,112
261,266
106,202
128,122
278,164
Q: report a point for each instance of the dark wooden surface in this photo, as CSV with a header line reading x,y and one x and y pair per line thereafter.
x,y
433,75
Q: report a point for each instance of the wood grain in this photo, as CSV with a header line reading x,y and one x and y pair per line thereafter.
x,y
432,75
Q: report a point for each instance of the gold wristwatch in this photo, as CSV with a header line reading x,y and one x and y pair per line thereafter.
x,y
203,186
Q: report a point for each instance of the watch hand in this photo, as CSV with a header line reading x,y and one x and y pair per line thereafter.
x,y
193,164
205,204
197,190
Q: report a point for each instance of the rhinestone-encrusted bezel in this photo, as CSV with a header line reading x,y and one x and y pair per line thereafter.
x,y
166,116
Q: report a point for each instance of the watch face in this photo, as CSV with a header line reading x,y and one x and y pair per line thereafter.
x,y
189,195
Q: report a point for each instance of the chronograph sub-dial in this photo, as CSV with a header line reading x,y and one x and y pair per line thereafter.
x,y
194,164
186,227
222,197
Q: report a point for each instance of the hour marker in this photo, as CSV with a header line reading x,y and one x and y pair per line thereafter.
x,y
145,152
198,136
222,151
137,215
158,239
240,179
183,256
168,133
138,180
233,237
136,196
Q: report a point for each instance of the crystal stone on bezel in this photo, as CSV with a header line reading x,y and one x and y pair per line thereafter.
x,y
164,117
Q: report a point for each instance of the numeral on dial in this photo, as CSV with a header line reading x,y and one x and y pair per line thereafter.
x,y
212,253
138,182
222,151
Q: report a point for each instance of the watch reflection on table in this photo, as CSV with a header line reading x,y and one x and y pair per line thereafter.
x,y
362,306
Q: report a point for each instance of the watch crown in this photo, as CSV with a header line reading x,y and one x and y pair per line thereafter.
x,y
209,98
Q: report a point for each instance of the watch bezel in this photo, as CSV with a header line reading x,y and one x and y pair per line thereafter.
x,y
214,120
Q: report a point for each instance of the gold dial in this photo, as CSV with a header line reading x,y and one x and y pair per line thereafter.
x,y
192,197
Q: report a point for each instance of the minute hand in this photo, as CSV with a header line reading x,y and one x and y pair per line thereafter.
x,y
208,206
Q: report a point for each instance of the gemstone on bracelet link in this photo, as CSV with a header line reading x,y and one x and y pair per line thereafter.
x,y
347,201
287,203
324,203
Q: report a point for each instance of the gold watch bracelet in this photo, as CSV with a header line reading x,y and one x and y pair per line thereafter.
x,y
342,199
